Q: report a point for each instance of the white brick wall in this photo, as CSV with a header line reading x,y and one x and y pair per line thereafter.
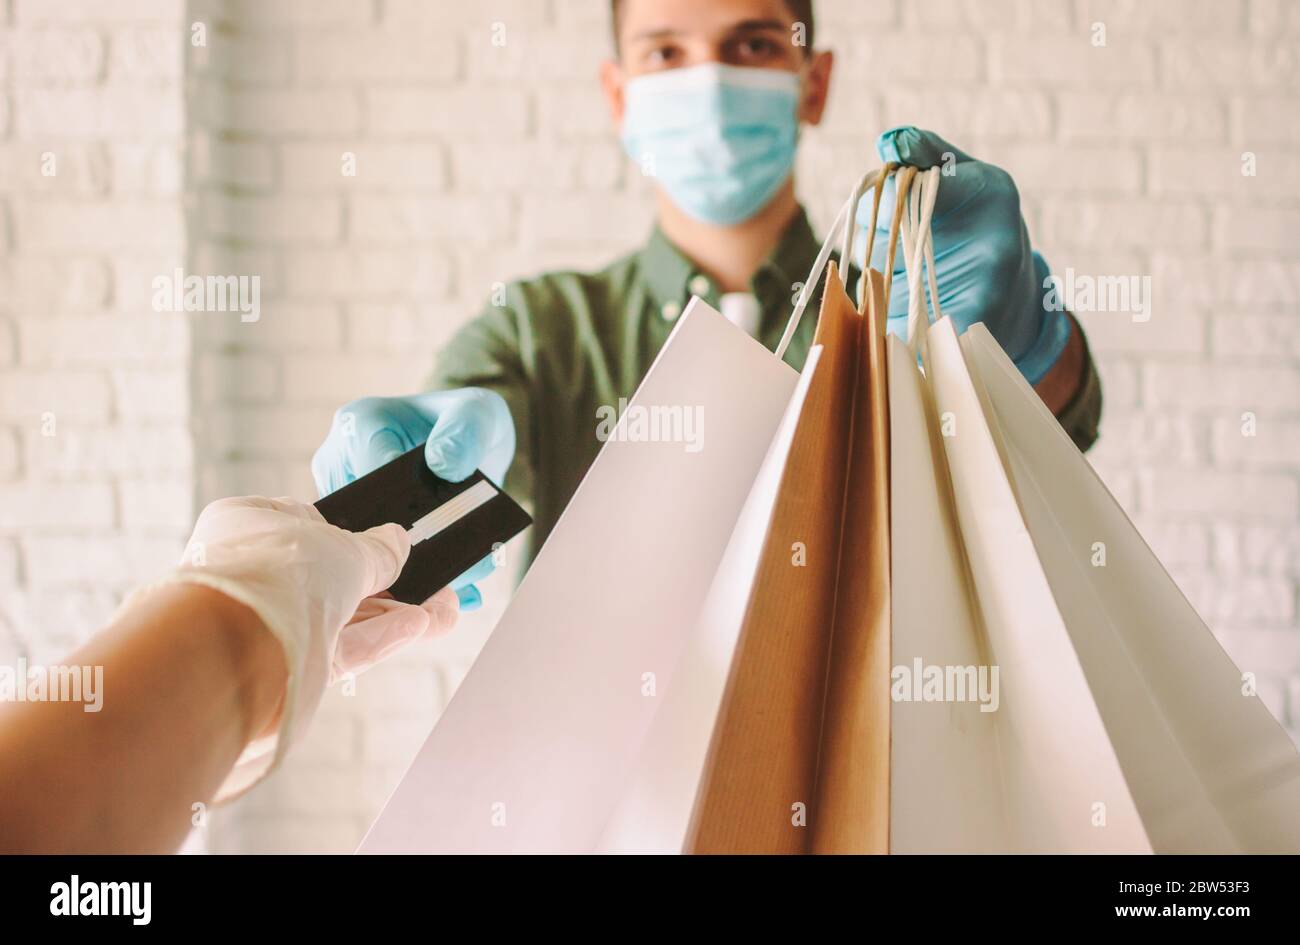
x,y
476,163
96,463
361,281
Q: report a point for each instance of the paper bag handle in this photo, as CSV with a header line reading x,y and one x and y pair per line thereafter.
x,y
918,249
913,210
843,225
902,188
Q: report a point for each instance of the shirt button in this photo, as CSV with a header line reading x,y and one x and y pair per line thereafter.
x,y
699,285
670,311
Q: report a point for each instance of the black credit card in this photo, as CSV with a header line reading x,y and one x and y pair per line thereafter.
x,y
453,525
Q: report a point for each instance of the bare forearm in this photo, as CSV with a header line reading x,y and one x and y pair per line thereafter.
x,y
189,676
1059,385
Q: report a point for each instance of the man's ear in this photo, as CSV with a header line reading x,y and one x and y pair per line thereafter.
x,y
816,87
611,83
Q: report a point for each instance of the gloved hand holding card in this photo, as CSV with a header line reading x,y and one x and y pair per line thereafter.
x,y
451,525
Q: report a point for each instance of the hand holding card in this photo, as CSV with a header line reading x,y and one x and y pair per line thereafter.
x,y
452,525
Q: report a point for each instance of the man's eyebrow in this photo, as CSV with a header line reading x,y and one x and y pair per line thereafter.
x,y
757,26
744,26
656,34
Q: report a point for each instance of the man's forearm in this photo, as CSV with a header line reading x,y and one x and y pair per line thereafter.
x,y
1072,389
189,676
1059,385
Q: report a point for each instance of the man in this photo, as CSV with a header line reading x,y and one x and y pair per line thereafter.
x,y
707,96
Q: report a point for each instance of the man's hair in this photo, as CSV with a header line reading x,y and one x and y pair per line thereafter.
x,y
802,10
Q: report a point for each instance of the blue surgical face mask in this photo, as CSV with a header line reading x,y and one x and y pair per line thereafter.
x,y
719,139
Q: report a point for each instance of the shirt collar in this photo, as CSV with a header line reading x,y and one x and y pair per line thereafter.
x,y
788,265
668,272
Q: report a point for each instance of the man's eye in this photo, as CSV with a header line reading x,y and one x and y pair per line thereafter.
x,y
758,48
663,56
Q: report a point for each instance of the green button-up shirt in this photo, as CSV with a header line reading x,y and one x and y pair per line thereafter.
x,y
563,344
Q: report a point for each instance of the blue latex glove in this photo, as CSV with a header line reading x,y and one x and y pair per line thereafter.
x,y
984,266
462,430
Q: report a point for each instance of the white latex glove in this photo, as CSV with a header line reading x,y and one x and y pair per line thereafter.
x,y
313,585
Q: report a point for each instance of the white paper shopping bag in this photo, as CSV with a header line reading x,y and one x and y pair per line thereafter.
x,y
945,783
654,813
997,743
1209,768
1061,780
533,751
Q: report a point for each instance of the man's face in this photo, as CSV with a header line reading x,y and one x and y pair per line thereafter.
x,y
673,34
655,35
